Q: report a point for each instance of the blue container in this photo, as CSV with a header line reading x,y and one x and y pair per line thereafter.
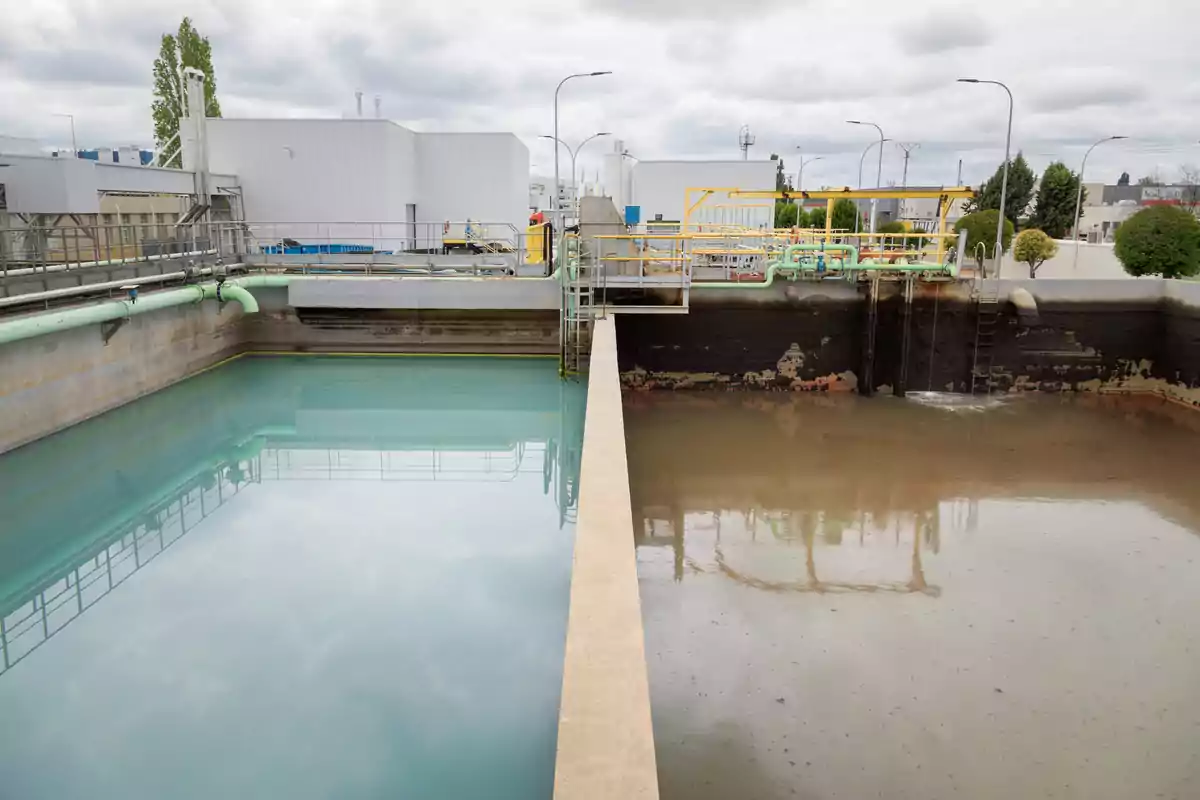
x,y
633,215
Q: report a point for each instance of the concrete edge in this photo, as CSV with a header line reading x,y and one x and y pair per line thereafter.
x,y
605,738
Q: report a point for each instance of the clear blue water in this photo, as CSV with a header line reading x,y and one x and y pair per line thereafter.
x,y
294,578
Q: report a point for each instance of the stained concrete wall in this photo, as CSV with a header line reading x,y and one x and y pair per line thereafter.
x,y
51,382
1103,335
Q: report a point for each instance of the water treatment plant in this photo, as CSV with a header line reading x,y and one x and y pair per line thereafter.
x,y
351,481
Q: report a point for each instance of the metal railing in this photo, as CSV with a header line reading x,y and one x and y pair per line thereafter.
x,y
36,250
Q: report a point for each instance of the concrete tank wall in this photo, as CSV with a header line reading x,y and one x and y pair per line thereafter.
x,y
1088,336
51,382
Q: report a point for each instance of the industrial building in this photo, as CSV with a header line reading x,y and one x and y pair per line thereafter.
x,y
654,191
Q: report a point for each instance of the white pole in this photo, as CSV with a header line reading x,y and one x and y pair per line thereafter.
x,y
557,206
1079,196
998,254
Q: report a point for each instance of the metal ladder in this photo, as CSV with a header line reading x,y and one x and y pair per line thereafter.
x,y
578,309
987,317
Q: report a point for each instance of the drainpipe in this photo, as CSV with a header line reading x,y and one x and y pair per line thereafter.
x,y
53,322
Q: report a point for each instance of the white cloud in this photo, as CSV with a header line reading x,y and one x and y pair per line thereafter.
x,y
687,74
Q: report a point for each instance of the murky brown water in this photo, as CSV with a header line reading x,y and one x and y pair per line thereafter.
x,y
849,598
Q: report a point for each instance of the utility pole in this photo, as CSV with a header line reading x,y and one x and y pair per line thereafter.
x,y
958,181
907,148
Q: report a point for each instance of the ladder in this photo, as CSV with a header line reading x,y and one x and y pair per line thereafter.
x,y
987,317
577,311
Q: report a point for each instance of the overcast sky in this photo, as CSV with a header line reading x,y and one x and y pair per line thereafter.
x,y
687,74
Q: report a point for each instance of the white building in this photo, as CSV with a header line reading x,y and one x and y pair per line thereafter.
x,y
657,189
375,177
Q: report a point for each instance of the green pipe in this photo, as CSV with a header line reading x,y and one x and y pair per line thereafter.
x,y
776,266
54,321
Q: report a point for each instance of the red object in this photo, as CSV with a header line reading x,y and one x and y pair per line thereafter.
x,y
537,218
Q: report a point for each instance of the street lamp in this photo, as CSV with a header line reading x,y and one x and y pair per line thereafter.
x,y
878,171
1079,195
999,253
800,177
861,159
74,147
557,206
574,153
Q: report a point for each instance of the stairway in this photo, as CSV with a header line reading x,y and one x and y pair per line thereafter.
x,y
987,317
578,308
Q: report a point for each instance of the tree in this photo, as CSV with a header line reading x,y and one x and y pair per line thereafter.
x,y
802,218
782,181
1160,240
1034,247
187,48
816,218
1055,210
1153,179
1123,180
1020,190
845,212
894,226
785,214
981,229
1189,179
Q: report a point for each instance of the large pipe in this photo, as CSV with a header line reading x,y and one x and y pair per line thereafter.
x,y
93,288
52,322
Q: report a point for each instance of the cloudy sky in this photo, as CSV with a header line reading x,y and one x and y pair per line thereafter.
x,y
687,74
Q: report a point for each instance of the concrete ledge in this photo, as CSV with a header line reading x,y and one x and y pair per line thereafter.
x,y
414,292
605,740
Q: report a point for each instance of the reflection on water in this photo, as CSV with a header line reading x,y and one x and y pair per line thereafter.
x,y
927,598
327,529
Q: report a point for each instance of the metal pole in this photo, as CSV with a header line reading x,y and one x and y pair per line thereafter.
x,y
862,158
1079,196
556,206
998,253
578,148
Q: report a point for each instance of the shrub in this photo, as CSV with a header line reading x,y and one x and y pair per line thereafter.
x,y
1160,240
1034,247
981,229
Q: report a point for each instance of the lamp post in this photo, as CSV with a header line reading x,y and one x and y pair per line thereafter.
x,y
1079,195
878,171
861,159
574,153
557,206
800,177
999,252
74,147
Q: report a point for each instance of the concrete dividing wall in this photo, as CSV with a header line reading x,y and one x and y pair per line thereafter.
x,y
1104,335
51,382
605,740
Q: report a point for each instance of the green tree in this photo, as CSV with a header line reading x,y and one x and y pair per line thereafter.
x,y
845,211
894,226
1020,190
981,229
816,218
1034,247
1160,240
802,218
785,214
782,181
1055,210
1123,180
186,48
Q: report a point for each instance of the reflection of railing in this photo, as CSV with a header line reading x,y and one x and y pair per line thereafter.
x,y
300,464
62,596
907,533
122,551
